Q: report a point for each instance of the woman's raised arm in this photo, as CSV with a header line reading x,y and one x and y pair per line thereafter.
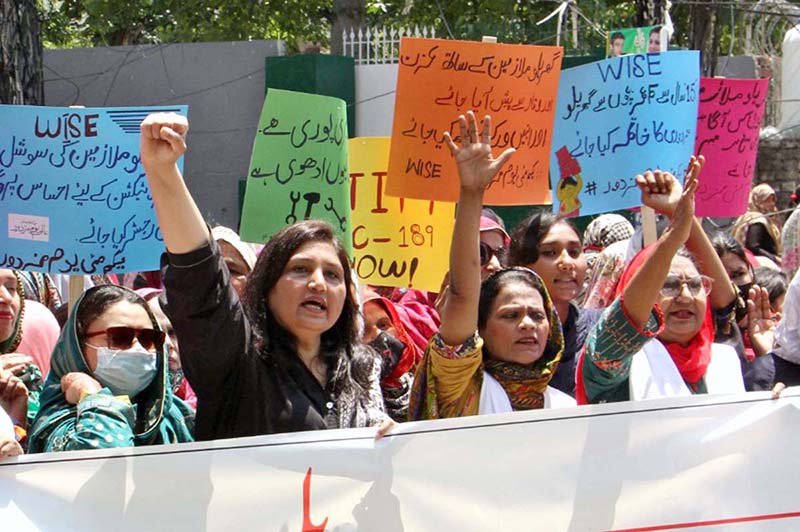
x,y
641,293
476,169
163,141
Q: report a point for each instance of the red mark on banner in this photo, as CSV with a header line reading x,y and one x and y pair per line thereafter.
x,y
308,526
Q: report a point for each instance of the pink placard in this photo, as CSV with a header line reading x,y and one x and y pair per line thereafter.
x,y
728,124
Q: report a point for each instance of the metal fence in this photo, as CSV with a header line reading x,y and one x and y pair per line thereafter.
x,y
379,45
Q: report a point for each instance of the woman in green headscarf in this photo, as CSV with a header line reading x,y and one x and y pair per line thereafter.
x,y
107,385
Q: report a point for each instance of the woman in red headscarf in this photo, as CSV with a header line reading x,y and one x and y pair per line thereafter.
x,y
657,338
385,332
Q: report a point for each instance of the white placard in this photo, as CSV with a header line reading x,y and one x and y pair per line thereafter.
x,y
29,227
694,463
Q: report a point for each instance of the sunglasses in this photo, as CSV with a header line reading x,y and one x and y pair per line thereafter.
x,y
673,285
123,337
487,252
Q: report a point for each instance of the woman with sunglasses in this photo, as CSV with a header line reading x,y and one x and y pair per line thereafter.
x,y
108,384
286,359
657,338
500,341
493,250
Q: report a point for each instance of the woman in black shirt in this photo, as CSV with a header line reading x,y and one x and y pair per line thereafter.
x,y
287,359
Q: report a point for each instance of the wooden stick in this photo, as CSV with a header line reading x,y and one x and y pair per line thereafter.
x,y
76,288
649,234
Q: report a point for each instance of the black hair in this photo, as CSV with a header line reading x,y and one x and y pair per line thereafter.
x,y
724,243
655,29
274,342
528,235
773,280
99,299
617,35
490,289
493,284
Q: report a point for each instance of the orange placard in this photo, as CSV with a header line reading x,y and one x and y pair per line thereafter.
x,y
440,79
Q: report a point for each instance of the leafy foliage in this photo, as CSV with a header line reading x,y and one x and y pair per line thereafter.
x,y
69,23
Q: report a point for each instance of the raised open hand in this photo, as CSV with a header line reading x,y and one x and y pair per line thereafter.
x,y
661,191
760,325
163,139
476,166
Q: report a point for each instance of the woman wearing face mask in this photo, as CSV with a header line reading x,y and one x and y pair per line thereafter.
x,y
386,334
108,384
657,338
286,360
500,340
552,248
758,370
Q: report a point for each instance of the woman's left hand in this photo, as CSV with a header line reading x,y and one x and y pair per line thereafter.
x,y
760,325
476,166
384,427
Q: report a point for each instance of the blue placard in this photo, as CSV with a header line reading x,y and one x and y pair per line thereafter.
x,y
74,197
617,118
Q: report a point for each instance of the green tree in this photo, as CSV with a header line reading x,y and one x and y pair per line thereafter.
x,y
71,23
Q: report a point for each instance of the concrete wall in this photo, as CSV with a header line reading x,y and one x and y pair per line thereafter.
x,y
222,83
375,89
779,165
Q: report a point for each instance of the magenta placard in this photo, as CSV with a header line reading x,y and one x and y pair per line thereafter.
x,y
728,124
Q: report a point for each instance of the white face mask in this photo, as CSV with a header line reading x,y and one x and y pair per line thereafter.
x,y
125,372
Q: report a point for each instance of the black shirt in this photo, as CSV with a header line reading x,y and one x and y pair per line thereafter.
x,y
576,328
240,392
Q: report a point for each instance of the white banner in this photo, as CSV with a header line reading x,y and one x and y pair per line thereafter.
x,y
696,463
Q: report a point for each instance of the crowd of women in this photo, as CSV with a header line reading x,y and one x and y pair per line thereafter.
x,y
231,339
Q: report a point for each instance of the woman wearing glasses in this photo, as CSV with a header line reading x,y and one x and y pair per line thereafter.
x,y
657,338
108,385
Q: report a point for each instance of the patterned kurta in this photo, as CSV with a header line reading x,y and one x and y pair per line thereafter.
x,y
609,352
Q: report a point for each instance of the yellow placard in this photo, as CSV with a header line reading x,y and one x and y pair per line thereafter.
x,y
396,241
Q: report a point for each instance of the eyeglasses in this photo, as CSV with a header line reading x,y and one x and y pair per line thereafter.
x,y
123,337
487,252
673,285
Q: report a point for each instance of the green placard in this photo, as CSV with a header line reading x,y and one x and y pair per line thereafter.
x,y
298,169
